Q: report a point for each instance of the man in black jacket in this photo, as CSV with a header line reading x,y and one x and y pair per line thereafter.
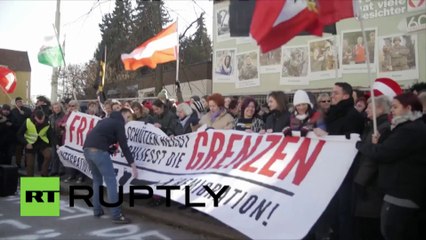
x,y
20,113
341,119
97,149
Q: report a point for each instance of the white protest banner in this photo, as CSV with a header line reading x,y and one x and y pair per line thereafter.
x,y
278,186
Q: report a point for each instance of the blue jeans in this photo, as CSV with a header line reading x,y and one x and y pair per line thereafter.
x,y
100,164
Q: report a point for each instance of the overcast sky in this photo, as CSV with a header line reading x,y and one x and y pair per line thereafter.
x,y
23,24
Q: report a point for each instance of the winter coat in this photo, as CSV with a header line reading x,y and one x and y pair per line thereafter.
x,y
57,131
402,161
223,121
21,116
277,121
344,119
191,120
169,123
255,124
309,122
369,198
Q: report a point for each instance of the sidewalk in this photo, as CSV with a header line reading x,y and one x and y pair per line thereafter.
x,y
188,218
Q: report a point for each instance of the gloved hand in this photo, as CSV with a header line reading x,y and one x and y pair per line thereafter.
x,y
287,132
304,131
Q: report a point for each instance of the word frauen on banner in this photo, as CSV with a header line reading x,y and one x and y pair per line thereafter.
x,y
278,186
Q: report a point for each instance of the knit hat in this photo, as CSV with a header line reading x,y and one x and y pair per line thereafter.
x,y
301,97
387,87
163,95
196,98
198,106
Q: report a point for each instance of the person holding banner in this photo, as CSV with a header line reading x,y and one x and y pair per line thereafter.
x,y
141,113
217,117
279,118
248,120
165,119
97,149
402,168
304,117
188,118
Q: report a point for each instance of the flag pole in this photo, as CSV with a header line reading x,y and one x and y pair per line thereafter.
x,y
178,89
7,94
367,53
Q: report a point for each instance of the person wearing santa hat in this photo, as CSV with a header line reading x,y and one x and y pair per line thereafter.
x,y
402,168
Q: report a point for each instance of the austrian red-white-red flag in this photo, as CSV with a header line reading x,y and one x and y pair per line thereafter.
x,y
7,79
276,22
161,48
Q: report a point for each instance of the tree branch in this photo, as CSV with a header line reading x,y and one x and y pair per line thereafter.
x,y
196,20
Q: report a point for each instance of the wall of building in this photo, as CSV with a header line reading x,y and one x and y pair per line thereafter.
x,y
391,25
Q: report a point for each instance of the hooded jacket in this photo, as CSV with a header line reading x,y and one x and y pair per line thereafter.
x,y
107,132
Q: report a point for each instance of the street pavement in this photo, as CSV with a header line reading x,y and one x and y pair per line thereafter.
x,y
78,222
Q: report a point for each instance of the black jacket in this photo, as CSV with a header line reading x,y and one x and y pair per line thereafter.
x,y
402,161
21,117
344,119
193,120
107,132
369,197
277,121
169,123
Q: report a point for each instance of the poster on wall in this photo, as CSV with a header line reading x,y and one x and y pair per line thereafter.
x,y
222,24
270,61
354,51
383,8
295,63
248,69
224,68
324,59
398,58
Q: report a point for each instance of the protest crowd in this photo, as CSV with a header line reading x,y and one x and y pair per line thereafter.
x,y
383,196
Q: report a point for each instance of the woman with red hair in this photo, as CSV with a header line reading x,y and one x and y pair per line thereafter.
x,y
217,117
402,168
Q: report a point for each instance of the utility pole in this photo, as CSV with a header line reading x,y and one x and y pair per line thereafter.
x,y
158,26
55,70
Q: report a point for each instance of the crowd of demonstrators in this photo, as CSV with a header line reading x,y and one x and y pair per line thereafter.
x,y
383,195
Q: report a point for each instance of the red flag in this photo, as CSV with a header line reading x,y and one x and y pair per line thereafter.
x,y
7,79
331,11
275,22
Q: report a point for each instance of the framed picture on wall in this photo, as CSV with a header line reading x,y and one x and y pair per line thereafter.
x,y
270,61
324,59
247,69
354,51
294,65
398,57
224,68
222,24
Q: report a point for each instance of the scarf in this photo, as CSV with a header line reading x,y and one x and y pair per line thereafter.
x,y
215,115
411,116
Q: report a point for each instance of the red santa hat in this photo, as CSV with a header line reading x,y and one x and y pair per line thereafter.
x,y
387,87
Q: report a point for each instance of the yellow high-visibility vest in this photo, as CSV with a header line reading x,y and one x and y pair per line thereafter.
x,y
31,134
